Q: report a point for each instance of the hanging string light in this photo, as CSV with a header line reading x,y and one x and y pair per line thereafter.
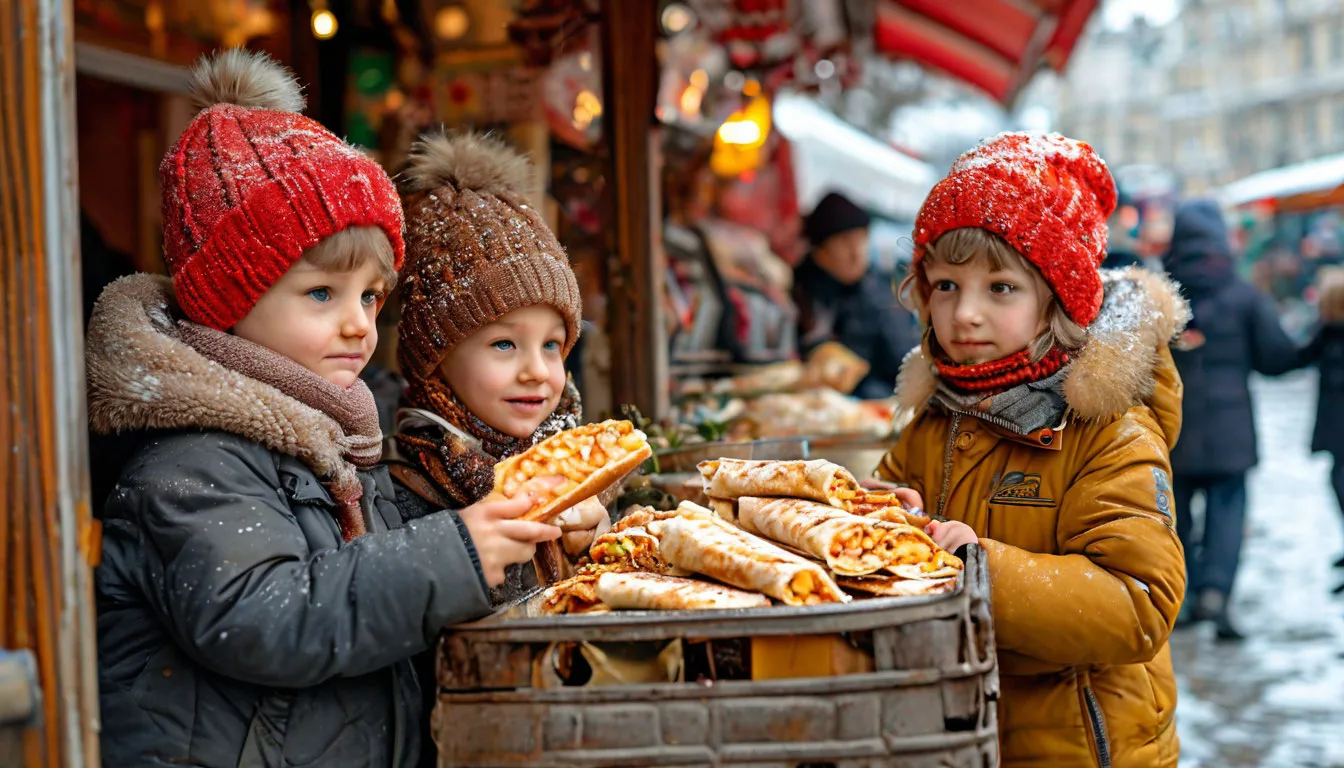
x,y
323,21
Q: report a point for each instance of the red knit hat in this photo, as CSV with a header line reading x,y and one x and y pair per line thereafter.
x,y
251,184
1048,196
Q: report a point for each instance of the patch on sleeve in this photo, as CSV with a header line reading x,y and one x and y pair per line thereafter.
x,y
1162,491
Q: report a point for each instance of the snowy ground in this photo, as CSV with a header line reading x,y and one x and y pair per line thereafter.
x,y
1277,700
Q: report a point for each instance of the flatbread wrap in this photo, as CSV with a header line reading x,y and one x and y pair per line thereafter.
x,y
656,592
591,458
895,586
578,593
631,545
715,548
817,480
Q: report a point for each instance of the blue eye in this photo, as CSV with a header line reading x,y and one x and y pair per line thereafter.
x,y
320,294
551,346
369,298
503,346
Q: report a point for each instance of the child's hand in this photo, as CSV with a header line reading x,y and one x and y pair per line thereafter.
x,y
500,540
582,523
910,499
951,535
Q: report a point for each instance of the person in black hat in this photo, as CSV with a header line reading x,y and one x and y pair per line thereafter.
x,y
842,298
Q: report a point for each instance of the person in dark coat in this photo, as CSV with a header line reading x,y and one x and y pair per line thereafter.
x,y
1326,351
1235,330
260,596
842,298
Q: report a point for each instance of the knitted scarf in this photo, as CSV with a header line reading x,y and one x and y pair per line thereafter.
x,y
462,472
1003,374
353,413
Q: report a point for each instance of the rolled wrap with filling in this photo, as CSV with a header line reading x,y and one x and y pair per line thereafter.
x,y
715,548
850,544
817,480
656,592
632,545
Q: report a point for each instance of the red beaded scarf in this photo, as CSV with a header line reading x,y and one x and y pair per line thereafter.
x,y
1003,374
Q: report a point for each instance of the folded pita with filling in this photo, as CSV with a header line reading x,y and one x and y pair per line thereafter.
x,y
657,592
817,480
711,546
578,593
895,586
850,544
632,545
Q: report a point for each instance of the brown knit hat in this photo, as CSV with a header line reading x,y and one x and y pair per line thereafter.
x,y
475,249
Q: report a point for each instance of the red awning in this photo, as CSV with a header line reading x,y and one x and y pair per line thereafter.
x,y
994,45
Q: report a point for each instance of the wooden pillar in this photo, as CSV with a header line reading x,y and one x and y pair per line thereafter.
x,y
47,538
633,215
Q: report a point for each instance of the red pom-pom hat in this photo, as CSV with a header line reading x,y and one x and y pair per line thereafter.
x,y
251,184
1048,196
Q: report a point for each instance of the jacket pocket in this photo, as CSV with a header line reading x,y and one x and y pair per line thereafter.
x,y
1096,724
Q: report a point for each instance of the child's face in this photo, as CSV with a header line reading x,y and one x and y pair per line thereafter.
x,y
980,313
321,319
511,373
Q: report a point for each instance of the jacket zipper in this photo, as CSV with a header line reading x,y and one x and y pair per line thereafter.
x,y
1098,728
947,460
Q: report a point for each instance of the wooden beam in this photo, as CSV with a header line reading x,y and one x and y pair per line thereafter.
x,y
46,595
632,210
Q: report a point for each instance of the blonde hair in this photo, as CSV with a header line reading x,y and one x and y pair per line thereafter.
x,y
346,250
1330,305
968,245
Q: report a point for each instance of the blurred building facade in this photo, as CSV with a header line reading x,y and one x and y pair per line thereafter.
x,y
1227,89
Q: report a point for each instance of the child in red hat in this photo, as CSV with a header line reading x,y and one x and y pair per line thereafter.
x,y
1045,402
260,596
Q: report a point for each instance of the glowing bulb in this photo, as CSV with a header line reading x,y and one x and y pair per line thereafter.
x,y
451,23
740,132
700,79
677,17
324,24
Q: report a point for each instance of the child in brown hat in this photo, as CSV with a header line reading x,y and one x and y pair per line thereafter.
x,y
491,308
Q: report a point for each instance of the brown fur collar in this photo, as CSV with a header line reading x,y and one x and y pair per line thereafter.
x,y
141,375
1142,311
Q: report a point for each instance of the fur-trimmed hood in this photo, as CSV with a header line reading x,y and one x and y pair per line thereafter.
x,y
142,376
1116,368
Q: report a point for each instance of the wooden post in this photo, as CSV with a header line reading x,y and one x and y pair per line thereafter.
x,y
47,537
633,215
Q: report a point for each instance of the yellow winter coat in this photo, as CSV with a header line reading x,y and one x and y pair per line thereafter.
x,y
1086,572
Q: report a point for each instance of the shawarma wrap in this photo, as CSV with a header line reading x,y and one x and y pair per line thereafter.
x,y
656,592
711,546
850,544
818,480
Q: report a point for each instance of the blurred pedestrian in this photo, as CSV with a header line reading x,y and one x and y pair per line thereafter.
x,y
842,297
1235,330
1326,350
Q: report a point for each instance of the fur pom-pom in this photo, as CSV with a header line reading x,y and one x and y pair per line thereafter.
x,y
481,163
246,78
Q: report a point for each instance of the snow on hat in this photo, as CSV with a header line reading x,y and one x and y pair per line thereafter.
x,y
476,249
251,184
1046,195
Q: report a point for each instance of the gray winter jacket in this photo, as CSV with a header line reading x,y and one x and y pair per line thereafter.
x,y
235,626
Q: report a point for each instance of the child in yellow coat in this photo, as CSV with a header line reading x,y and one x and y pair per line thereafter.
x,y
1045,405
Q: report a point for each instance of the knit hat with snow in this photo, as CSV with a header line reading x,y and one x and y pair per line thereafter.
x,y
1048,196
476,250
251,184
